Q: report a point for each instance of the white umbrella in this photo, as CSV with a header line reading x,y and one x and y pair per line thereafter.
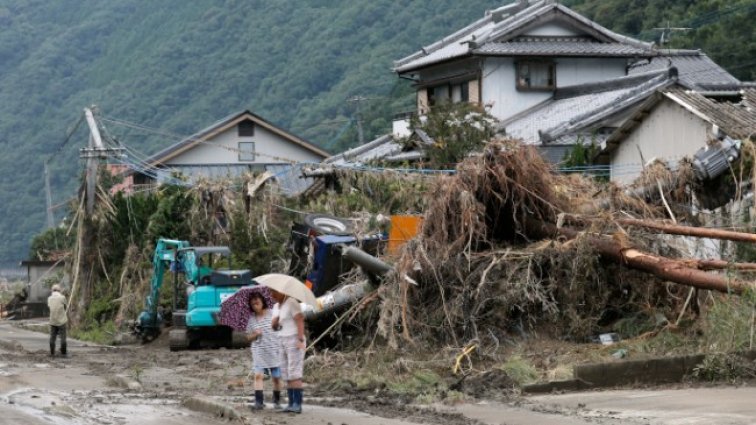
x,y
288,285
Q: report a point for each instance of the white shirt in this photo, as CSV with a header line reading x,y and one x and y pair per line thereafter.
x,y
287,311
57,304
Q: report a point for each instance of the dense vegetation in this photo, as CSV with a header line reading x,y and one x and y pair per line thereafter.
x,y
178,66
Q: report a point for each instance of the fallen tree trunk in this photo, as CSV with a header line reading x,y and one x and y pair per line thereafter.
x,y
677,271
675,229
720,265
700,232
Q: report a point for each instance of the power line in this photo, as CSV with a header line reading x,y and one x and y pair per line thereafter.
x,y
68,137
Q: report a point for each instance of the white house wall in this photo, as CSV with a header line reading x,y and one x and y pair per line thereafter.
x,y
553,29
669,133
223,149
499,88
573,71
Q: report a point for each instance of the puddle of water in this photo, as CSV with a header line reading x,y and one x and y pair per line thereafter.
x,y
93,407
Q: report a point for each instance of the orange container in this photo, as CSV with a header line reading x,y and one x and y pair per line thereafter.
x,y
403,228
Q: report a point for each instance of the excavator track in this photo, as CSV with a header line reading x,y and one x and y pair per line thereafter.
x,y
178,339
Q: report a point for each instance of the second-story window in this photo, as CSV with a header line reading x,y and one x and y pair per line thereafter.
x,y
439,95
536,75
449,93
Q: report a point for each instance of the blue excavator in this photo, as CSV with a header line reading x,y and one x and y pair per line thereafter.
x,y
205,275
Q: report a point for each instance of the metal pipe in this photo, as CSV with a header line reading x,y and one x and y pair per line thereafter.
x,y
366,261
335,300
348,294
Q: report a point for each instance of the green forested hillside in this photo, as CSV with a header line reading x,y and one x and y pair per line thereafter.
x,y
179,65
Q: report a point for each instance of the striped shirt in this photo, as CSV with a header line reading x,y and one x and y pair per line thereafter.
x,y
266,350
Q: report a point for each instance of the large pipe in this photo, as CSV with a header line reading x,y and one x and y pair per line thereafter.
x,y
366,261
335,300
348,294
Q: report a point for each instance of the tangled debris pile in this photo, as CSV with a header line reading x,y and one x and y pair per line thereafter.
x,y
508,244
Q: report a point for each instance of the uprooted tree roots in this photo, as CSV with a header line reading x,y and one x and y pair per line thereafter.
x,y
477,271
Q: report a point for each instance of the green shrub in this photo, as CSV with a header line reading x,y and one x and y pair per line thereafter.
x,y
729,323
520,370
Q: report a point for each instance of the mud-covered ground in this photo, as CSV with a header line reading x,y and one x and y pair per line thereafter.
x,y
91,387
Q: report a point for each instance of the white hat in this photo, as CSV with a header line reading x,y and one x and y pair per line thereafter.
x,y
55,288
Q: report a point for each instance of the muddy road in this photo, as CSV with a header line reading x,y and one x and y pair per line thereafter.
x,y
151,385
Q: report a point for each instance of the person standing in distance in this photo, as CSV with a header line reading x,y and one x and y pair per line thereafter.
x,y
58,306
290,323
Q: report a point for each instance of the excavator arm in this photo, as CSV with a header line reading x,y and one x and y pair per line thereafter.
x,y
149,321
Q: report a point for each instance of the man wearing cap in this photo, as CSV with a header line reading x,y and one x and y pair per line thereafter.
x,y
58,319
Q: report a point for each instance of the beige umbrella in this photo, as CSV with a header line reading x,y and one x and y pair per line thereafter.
x,y
288,285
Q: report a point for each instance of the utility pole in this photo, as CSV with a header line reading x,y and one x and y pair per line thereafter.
x,y
666,33
358,100
94,152
48,197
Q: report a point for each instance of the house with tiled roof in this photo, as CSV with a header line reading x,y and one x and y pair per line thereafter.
x,y
242,142
516,56
676,123
551,76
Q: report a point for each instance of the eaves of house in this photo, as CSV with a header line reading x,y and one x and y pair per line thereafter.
x,y
501,33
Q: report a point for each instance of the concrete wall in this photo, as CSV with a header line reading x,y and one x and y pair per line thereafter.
x,y
223,149
669,133
40,282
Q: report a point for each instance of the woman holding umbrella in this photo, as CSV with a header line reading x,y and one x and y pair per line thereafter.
x,y
266,349
290,324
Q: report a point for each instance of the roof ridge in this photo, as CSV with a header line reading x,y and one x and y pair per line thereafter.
x,y
680,52
487,18
507,20
439,44
518,19
616,36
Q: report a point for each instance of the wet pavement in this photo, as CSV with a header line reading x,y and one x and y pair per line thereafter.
x,y
82,390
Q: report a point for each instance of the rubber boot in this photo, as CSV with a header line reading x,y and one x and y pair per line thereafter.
x,y
290,397
277,400
52,350
297,407
63,350
259,400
